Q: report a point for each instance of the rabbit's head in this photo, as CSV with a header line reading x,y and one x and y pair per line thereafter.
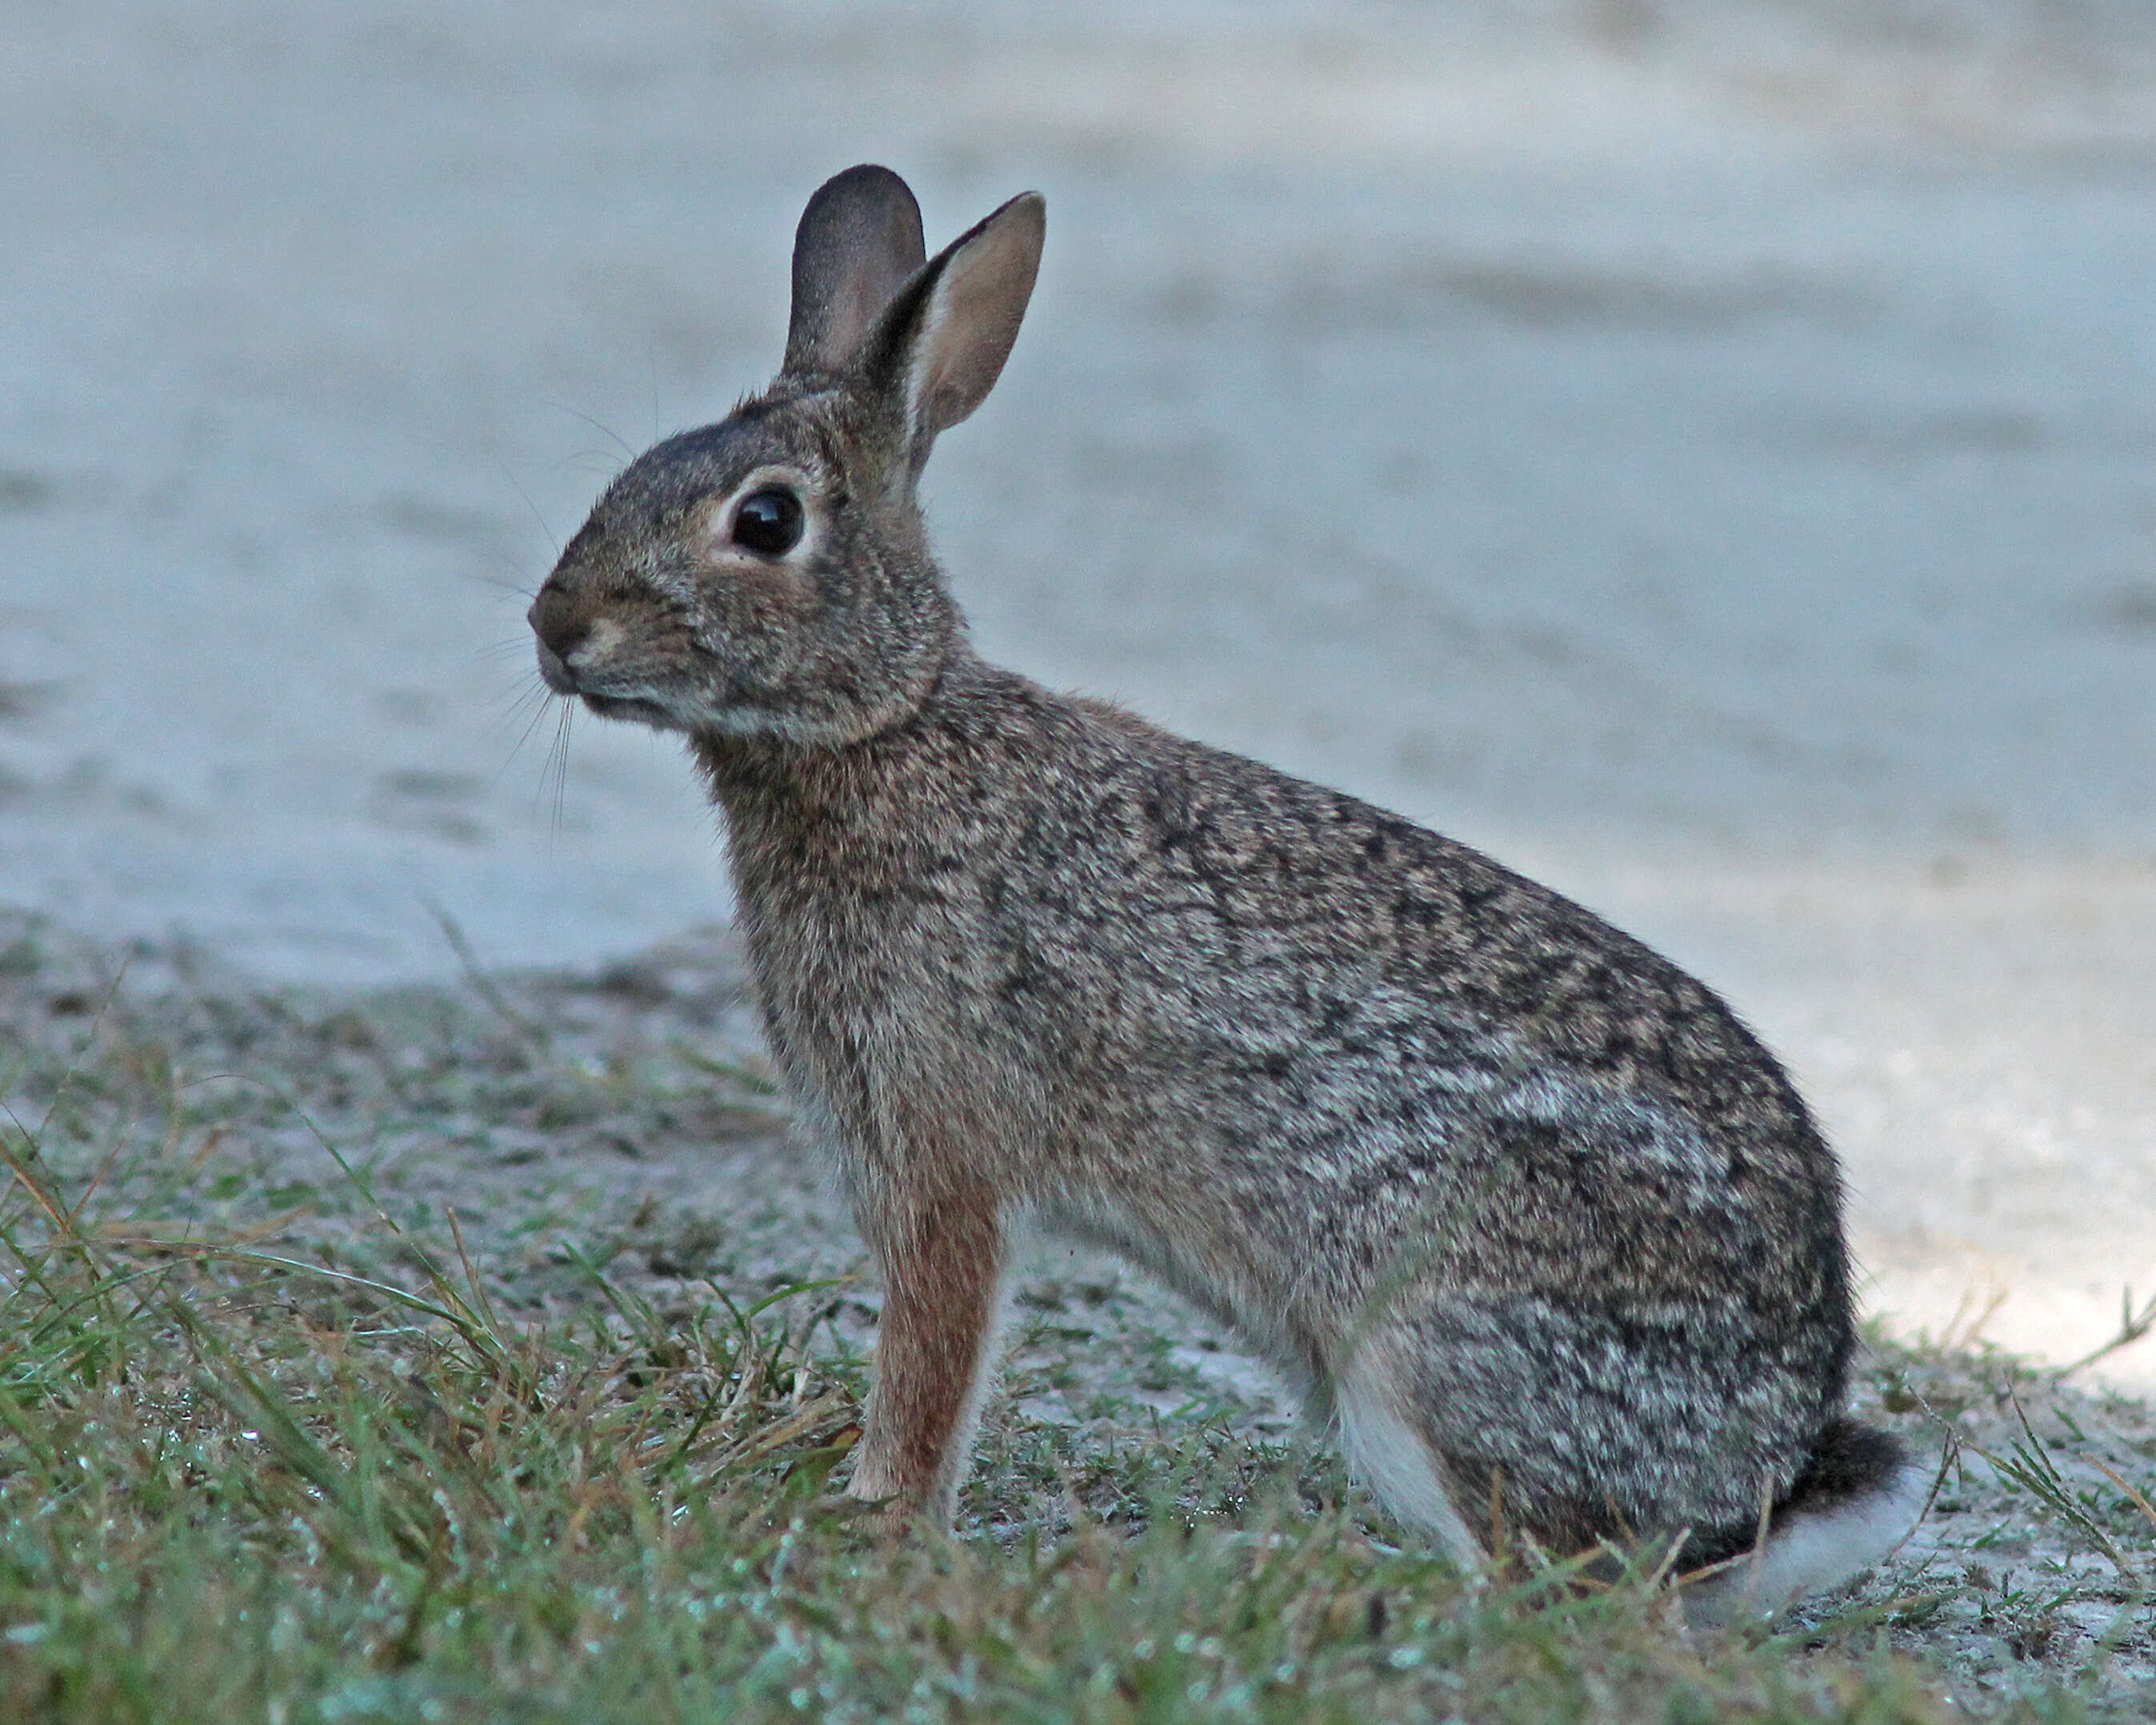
x,y
769,576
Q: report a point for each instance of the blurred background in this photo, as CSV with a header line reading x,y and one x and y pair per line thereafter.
x,y
1700,450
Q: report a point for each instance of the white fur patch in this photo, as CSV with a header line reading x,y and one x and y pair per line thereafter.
x,y
1810,1552
600,641
1386,1454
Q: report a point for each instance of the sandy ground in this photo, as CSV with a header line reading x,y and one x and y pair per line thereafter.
x,y
1700,453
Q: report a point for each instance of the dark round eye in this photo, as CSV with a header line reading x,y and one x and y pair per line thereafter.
x,y
769,522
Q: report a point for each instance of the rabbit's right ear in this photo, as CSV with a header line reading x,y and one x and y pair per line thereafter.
x,y
858,241
941,345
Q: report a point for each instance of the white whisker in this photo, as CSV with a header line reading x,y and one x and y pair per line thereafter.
x,y
536,699
557,767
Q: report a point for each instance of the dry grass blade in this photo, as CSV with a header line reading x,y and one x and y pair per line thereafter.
x,y
2133,1324
2134,1494
179,1234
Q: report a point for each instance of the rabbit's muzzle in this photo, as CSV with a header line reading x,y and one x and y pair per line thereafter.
x,y
561,628
580,655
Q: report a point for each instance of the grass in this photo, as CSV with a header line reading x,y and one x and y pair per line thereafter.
x,y
351,1368
237,1492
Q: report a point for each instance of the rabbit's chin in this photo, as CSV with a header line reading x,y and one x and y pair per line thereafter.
x,y
636,710
733,722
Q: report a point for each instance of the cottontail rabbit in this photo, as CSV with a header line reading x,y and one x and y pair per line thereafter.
x,y
1523,1207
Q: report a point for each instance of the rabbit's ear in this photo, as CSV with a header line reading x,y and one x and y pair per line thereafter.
x,y
941,343
859,240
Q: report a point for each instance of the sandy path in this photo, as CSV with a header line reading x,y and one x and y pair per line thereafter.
x,y
1706,462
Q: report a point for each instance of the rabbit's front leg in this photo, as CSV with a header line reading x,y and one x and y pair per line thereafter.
x,y
942,1268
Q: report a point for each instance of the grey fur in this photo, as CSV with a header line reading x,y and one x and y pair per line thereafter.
x,y
859,239
1528,1203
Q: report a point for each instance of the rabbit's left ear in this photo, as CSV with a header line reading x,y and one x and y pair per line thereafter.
x,y
941,345
859,242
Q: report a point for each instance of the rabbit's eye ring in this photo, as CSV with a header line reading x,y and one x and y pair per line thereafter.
x,y
769,522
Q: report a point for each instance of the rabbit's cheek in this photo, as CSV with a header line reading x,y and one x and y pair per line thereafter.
x,y
755,622
756,594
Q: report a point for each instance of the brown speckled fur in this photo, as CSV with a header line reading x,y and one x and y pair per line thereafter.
x,y
1525,1204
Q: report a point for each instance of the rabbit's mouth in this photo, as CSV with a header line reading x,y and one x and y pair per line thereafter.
x,y
630,706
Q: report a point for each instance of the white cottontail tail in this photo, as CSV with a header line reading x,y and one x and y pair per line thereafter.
x,y
1521,1204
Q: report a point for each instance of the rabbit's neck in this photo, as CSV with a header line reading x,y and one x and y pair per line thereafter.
x,y
859,808
853,867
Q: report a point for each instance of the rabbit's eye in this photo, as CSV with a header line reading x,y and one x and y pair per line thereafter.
x,y
768,522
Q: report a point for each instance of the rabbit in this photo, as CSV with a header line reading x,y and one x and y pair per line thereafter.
x,y
1522,1208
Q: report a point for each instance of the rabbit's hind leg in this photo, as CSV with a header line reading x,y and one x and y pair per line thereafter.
x,y
1387,1449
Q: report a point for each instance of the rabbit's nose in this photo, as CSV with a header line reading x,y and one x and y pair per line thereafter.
x,y
560,631
560,628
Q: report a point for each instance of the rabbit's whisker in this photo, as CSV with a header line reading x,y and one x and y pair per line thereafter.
x,y
551,537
